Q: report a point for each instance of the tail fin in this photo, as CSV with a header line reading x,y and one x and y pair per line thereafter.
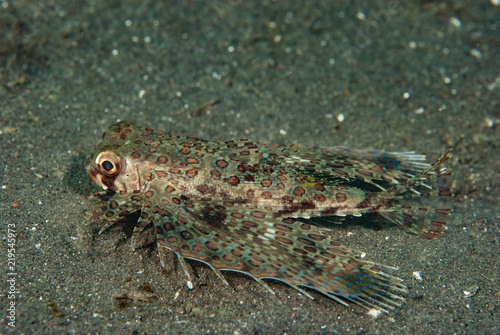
x,y
425,221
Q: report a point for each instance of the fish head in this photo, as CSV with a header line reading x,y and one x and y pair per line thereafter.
x,y
111,165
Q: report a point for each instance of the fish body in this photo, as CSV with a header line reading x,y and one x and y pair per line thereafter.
x,y
245,206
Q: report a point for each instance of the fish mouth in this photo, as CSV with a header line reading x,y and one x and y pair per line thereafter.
x,y
96,176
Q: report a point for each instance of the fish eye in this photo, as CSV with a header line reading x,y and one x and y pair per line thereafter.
x,y
108,163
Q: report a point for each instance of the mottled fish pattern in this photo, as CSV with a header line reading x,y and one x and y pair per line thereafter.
x,y
249,207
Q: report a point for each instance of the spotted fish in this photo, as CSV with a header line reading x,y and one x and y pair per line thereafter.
x,y
249,207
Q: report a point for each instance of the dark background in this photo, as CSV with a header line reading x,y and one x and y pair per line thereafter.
x,y
313,72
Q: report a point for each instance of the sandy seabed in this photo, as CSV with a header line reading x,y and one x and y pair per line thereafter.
x,y
421,76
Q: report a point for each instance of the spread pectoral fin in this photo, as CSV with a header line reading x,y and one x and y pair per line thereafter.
x,y
287,250
115,207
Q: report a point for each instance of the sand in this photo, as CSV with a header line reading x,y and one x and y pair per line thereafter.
x,y
398,76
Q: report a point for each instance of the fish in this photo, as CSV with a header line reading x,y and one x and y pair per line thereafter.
x,y
251,207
